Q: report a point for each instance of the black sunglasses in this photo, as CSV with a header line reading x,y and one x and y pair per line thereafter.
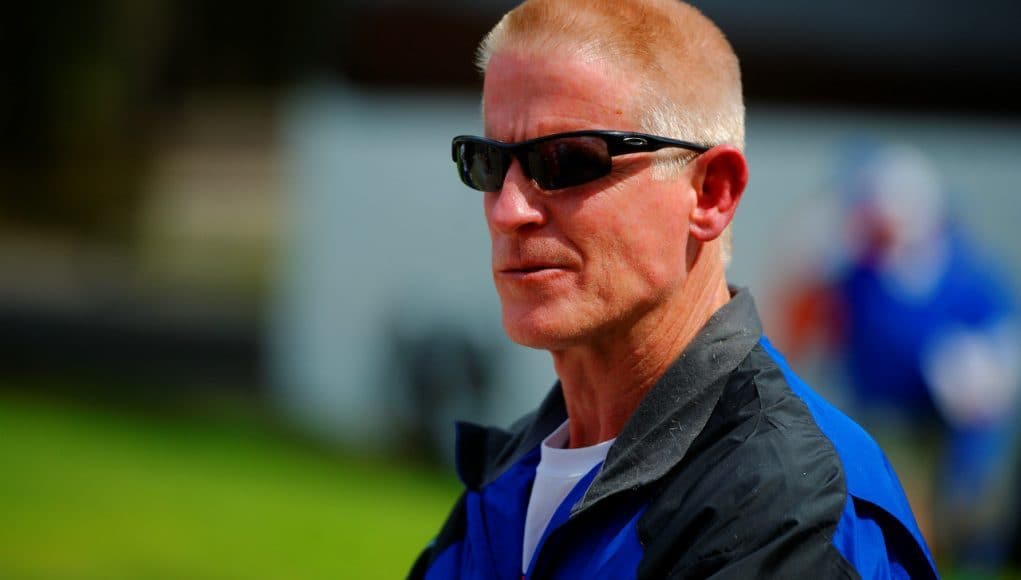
x,y
552,161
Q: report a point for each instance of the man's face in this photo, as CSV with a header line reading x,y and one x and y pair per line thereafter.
x,y
583,265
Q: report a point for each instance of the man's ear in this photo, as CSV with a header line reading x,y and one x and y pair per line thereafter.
x,y
721,175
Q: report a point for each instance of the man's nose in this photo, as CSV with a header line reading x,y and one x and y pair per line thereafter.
x,y
517,205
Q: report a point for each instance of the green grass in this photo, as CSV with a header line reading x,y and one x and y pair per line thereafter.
x,y
88,492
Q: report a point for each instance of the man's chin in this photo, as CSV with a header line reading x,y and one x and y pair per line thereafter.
x,y
543,334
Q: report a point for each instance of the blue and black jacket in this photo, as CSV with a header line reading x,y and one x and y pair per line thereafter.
x,y
731,467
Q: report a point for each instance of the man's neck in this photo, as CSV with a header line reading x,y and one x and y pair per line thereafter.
x,y
603,384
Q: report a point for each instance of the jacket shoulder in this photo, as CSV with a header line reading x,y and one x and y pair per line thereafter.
x,y
876,513
781,484
760,492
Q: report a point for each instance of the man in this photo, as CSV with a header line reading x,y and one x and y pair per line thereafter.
x,y
676,441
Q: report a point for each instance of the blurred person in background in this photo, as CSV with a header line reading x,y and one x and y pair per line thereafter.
x,y
676,442
927,336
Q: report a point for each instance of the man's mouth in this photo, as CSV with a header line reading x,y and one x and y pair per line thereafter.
x,y
529,269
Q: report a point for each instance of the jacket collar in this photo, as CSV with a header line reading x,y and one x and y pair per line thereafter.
x,y
658,434
483,453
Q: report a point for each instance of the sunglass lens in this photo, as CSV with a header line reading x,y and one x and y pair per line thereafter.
x,y
569,161
482,166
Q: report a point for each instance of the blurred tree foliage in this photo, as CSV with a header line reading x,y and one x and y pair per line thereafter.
x,y
72,143
85,84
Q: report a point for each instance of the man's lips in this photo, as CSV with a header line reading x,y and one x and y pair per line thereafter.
x,y
531,272
527,269
529,266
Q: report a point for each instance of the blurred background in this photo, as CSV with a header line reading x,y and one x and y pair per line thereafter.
x,y
244,295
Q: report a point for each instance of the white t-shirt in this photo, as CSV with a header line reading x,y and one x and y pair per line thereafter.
x,y
558,472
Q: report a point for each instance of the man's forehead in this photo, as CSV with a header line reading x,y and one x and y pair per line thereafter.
x,y
538,93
